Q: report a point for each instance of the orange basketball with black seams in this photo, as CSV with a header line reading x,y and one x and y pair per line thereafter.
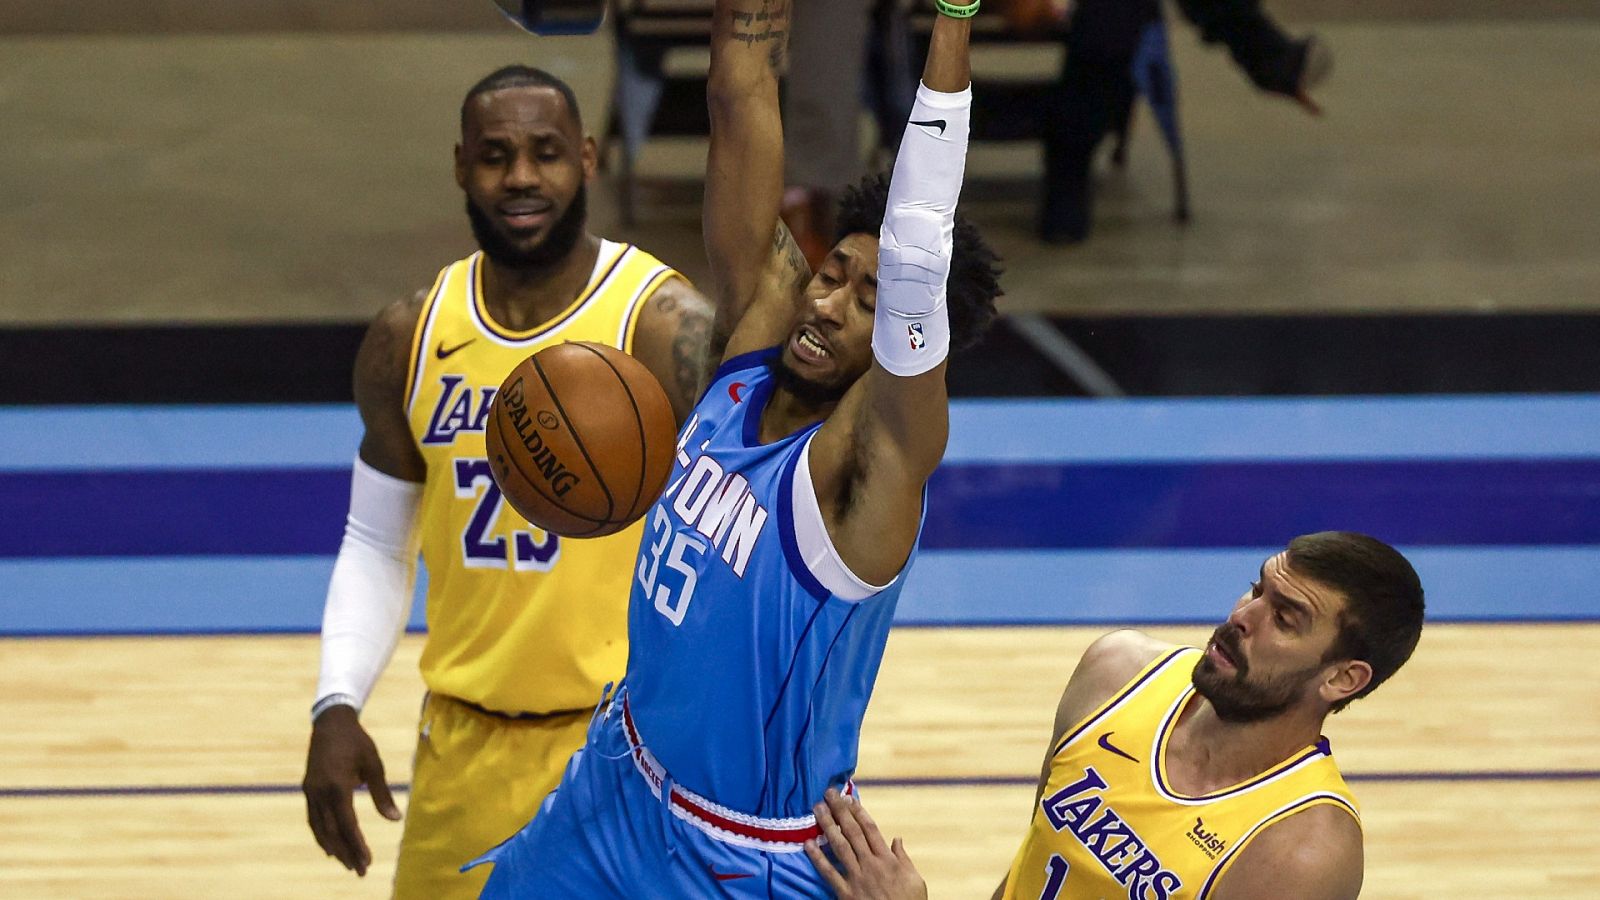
x,y
580,439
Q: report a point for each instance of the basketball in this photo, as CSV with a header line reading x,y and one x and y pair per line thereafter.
x,y
580,439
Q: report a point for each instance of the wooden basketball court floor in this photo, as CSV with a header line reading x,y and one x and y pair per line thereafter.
x,y
167,767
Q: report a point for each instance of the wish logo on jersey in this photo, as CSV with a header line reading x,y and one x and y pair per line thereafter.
x,y
1207,840
455,412
1079,810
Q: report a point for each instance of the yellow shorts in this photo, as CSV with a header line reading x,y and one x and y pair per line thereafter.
x,y
477,778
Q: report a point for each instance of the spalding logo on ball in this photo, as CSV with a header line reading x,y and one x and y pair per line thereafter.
x,y
555,17
580,439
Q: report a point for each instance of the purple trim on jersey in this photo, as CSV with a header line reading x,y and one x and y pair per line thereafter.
x,y
791,545
1285,812
424,335
581,302
755,403
1320,748
1120,696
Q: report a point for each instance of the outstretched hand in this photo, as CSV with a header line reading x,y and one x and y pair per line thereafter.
x,y
873,870
341,758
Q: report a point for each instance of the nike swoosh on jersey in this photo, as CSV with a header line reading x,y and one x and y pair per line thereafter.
x,y
1105,744
932,123
736,391
727,876
442,353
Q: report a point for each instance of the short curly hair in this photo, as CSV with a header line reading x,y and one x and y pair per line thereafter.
x,y
519,76
974,267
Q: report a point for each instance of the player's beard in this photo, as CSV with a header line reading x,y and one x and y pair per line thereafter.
x,y
801,388
557,244
1237,698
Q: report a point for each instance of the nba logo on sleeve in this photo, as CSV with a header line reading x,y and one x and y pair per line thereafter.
x,y
914,331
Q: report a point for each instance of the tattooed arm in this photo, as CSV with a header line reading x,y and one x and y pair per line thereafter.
x,y
676,342
756,271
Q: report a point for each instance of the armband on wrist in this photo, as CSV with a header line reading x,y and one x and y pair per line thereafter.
x,y
955,11
332,700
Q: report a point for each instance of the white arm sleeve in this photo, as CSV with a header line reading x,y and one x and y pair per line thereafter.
x,y
911,327
369,595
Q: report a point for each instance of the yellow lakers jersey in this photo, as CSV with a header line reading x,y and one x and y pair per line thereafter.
x,y
1110,825
519,620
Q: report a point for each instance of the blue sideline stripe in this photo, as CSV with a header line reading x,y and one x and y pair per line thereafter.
x,y
1263,503
1237,429
167,512
294,512
173,595
1114,587
210,595
178,437
191,790
1065,430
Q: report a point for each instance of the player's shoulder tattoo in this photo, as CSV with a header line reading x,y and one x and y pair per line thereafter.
x,y
384,358
690,319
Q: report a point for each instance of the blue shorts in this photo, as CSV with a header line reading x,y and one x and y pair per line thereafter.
x,y
604,833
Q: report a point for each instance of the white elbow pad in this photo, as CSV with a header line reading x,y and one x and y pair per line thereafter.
x,y
911,328
369,595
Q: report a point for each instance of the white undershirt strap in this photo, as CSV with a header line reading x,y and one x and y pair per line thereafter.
x,y
811,536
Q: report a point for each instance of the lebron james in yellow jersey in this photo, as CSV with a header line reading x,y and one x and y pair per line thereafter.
x,y
1179,772
524,628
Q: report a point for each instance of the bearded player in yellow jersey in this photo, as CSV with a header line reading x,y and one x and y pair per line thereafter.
x,y
524,628
1178,772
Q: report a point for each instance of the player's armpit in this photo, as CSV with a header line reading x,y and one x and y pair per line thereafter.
x,y
676,341
870,496
382,367
1315,855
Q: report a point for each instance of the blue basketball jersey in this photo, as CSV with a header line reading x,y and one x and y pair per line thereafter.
x,y
748,678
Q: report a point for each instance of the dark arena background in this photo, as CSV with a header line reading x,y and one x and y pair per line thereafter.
x,y
1385,319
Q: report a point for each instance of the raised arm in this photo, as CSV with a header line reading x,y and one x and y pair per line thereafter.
x,y
755,268
873,456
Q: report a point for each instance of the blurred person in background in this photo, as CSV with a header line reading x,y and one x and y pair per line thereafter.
x,y
1116,50
846,57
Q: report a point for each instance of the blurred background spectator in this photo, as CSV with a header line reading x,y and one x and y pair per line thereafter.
x,y
1115,51
845,57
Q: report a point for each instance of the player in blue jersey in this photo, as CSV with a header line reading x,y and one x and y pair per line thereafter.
x,y
769,569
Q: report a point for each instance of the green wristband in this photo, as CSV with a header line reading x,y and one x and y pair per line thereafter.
x,y
957,12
